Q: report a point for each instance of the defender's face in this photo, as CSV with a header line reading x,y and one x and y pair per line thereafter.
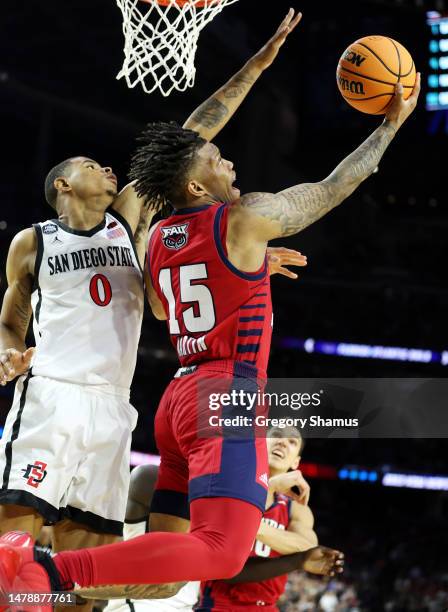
x,y
215,174
283,452
88,179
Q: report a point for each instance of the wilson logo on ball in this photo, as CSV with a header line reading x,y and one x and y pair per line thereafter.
x,y
355,87
354,58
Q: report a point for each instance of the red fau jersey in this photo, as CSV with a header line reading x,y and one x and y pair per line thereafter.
x,y
217,595
214,310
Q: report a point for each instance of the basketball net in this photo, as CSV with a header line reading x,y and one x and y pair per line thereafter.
x,y
161,41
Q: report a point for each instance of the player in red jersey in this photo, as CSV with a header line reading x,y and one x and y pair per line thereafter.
x,y
286,528
224,240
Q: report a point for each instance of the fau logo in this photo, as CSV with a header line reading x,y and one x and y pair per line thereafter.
x,y
35,473
175,237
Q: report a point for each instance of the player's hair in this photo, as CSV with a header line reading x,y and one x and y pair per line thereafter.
x,y
51,193
161,163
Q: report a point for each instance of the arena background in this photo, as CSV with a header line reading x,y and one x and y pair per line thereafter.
x,y
376,265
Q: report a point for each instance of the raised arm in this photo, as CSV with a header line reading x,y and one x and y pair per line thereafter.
x,y
214,113
268,216
211,116
16,308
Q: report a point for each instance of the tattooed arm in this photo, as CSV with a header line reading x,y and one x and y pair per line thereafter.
x,y
214,113
130,591
290,211
16,308
142,232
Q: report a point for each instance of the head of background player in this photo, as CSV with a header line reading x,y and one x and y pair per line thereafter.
x,y
174,165
80,182
284,448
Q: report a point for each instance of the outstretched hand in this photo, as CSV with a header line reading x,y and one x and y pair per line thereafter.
x,y
400,109
323,561
264,58
279,257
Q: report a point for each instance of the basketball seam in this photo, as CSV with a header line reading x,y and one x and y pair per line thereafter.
x,y
370,98
399,58
371,78
384,107
379,59
408,73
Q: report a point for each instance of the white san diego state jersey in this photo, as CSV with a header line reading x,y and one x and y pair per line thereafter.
x,y
87,303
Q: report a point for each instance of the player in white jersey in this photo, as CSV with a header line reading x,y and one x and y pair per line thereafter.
x,y
64,455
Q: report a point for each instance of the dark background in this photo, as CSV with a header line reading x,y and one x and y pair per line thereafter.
x,y
377,265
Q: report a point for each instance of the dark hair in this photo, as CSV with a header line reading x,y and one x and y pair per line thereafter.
x,y
161,162
51,193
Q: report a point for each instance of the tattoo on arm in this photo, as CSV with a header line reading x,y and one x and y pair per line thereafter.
x,y
298,207
131,591
151,591
142,229
210,113
238,85
214,113
362,162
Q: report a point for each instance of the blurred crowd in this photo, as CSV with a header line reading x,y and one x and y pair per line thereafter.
x,y
307,594
411,593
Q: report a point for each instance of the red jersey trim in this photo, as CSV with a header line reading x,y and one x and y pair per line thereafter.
x,y
251,276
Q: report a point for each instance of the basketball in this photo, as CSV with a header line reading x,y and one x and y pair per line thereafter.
x,y
369,70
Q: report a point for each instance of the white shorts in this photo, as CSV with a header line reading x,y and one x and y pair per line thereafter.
x,y
65,452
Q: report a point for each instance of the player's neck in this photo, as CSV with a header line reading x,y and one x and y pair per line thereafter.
x,y
79,216
197,202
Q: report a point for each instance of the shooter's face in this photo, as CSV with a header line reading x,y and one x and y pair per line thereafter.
x,y
215,174
88,179
283,452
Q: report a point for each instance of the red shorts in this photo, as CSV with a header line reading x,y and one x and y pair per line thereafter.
x,y
203,460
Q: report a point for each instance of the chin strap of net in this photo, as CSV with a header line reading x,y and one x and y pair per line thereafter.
x,y
161,41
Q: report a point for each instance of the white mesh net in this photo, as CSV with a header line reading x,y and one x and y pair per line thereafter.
x,y
161,41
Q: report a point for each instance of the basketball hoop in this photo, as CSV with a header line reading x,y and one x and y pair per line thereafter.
x,y
161,38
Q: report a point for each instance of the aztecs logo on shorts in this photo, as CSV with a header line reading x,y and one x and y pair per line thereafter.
x,y
35,473
175,236
50,228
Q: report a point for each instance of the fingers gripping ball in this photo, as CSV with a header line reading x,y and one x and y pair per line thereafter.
x,y
369,70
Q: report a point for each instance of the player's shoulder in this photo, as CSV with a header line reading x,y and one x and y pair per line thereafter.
x,y
24,242
302,513
22,254
247,213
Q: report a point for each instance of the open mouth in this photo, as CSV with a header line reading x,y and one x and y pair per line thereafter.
x,y
112,177
278,453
